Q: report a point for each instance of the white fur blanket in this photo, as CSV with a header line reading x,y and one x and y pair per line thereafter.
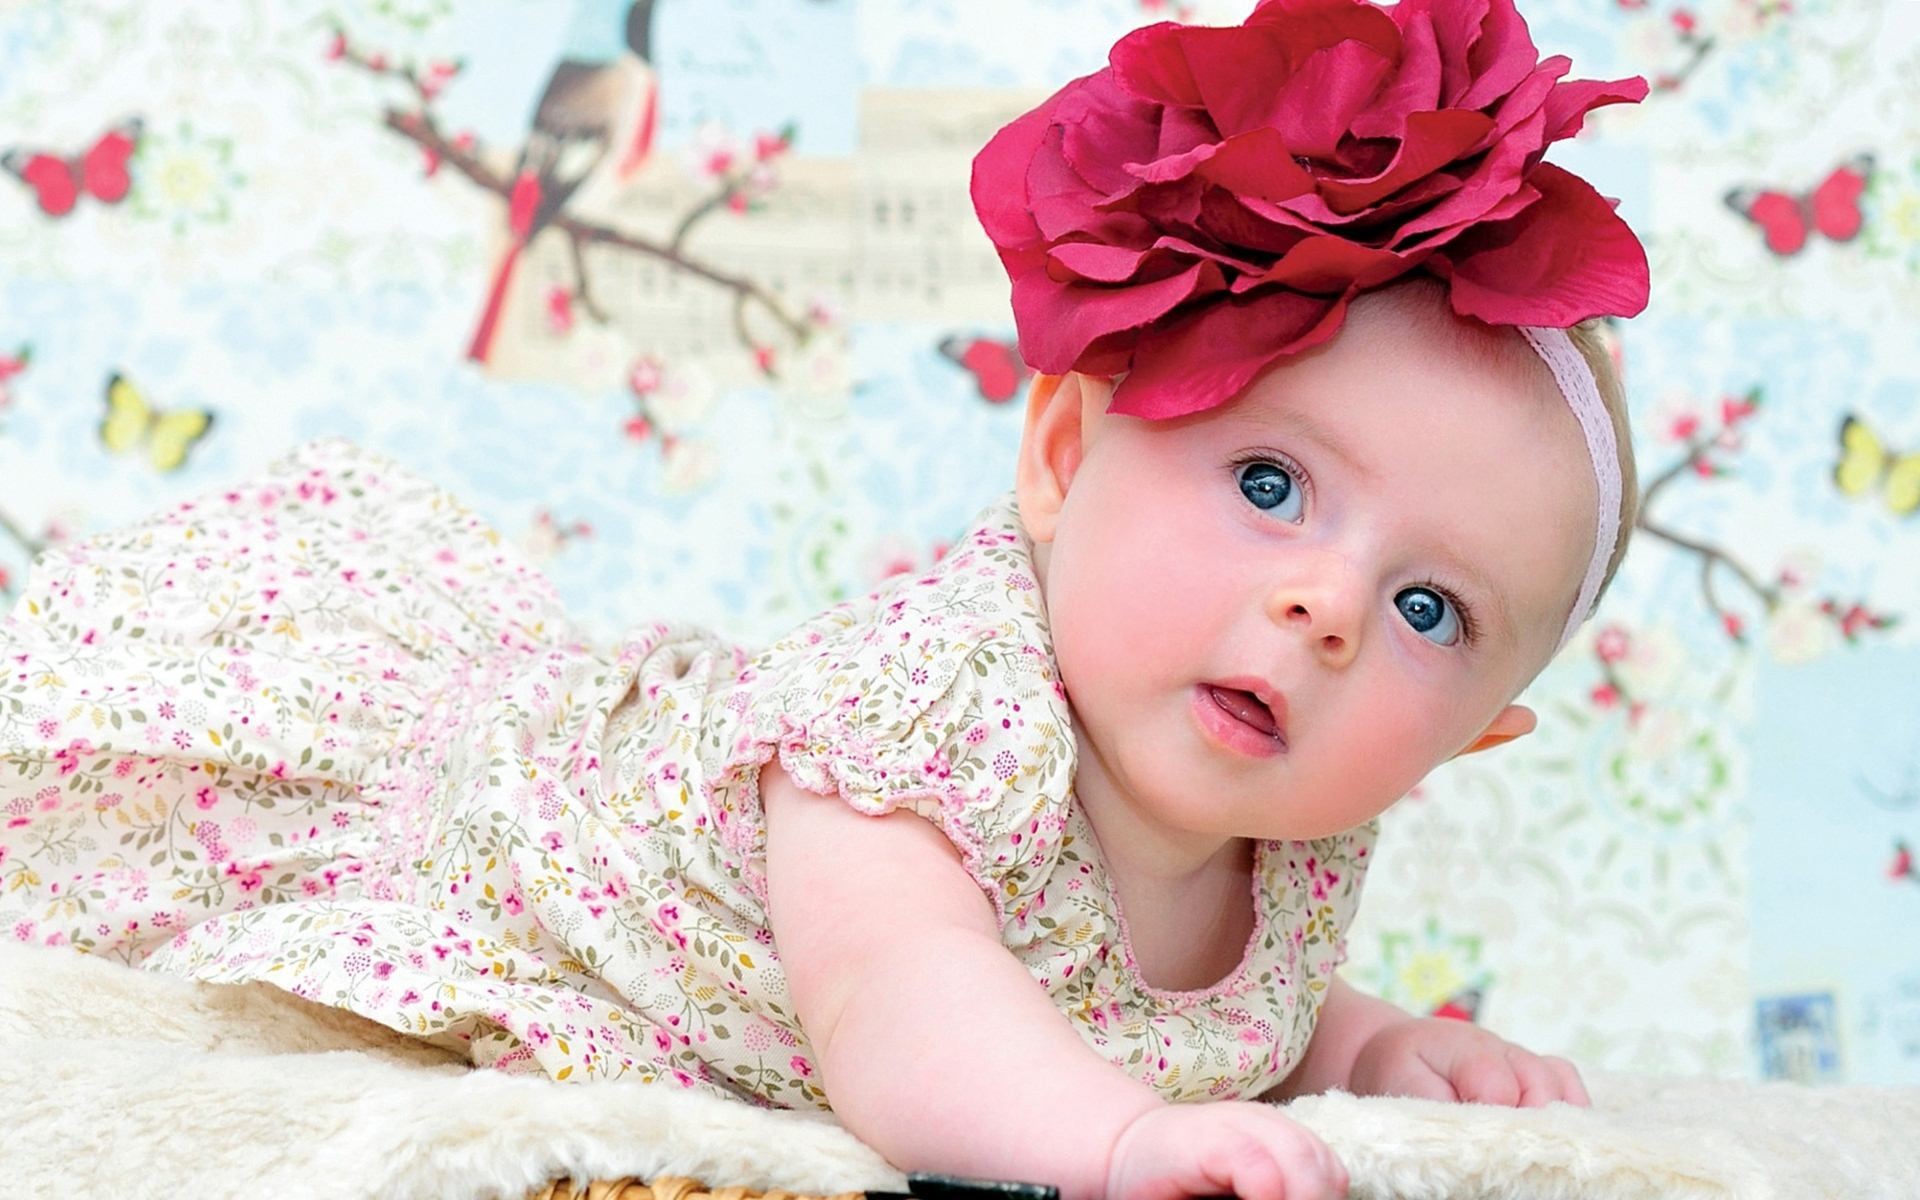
x,y
114,1082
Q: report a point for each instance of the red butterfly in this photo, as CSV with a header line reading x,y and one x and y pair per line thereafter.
x,y
995,366
1463,1005
58,181
1786,218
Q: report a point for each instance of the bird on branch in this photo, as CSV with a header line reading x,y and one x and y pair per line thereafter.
x,y
595,122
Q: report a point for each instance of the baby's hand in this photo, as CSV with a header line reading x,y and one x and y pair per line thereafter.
x,y
1440,1059
1227,1148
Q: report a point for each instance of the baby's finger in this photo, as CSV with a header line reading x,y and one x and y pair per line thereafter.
x,y
1486,1079
1310,1169
1307,1165
1572,1090
1540,1084
1249,1170
1419,1080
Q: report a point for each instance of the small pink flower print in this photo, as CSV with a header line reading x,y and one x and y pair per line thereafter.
x,y
1005,765
206,798
47,727
49,798
123,768
801,1067
69,758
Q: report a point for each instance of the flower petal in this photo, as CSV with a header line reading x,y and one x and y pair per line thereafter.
x,y
1570,102
1416,88
1501,56
1103,130
1328,263
1211,354
1258,163
1063,205
1316,105
1498,175
1000,170
1564,259
1058,320
1433,139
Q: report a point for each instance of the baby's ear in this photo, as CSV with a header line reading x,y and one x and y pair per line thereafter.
x,y
1514,721
1061,410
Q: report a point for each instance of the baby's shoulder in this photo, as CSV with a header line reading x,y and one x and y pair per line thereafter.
x,y
946,666
977,608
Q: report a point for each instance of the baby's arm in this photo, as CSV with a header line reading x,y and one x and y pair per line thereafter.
x,y
938,1049
1369,1047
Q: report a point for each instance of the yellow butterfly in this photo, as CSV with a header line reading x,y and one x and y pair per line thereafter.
x,y
131,422
1866,463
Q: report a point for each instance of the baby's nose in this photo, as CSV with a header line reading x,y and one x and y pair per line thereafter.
x,y
1321,613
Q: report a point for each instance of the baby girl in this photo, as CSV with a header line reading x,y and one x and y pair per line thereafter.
x,y
1037,865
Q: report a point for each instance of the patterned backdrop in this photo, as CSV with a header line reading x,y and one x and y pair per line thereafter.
x,y
765,363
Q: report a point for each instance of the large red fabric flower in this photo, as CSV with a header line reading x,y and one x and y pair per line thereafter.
x,y
1211,201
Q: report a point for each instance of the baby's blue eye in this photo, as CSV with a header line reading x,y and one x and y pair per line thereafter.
x,y
1269,488
1429,614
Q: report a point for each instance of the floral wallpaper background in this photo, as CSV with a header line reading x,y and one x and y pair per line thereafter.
x,y
772,366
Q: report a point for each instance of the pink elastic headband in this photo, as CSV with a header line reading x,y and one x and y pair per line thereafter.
x,y
1575,378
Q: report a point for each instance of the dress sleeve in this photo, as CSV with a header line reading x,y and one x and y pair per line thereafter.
x,y
939,696
1350,852
1314,893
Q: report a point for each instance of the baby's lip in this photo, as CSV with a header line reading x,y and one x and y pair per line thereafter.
x,y
1263,691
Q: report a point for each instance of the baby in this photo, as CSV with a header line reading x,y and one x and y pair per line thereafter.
x,y
1273,618
1037,865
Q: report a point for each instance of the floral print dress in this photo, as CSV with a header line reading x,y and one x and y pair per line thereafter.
x,y
324,730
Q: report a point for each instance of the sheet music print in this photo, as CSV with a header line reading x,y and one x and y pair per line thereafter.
x,y
922,254
889,235
798,248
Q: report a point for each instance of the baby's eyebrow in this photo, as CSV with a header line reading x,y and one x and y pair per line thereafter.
x,y
1294,421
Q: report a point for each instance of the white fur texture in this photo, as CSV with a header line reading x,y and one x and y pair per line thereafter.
x,y
114,1082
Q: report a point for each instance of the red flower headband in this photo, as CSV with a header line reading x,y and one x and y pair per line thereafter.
x,y
1211,201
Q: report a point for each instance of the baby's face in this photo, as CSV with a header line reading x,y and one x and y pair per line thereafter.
x,y
1275,617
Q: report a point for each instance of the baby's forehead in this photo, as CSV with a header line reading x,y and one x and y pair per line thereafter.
x,y
1505,392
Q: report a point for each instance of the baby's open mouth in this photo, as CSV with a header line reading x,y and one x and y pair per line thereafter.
x,y
1247,708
